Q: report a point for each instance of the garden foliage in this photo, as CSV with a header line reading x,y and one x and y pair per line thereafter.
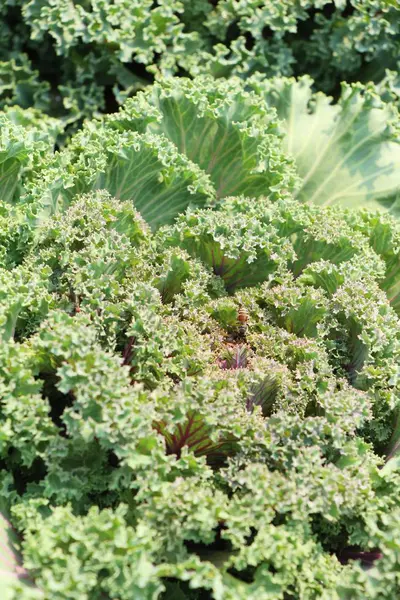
x,y
81,58
150,448
153,445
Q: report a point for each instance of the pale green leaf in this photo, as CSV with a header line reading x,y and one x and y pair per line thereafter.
x,y
347,153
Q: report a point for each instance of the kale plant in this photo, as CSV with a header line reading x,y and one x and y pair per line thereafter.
x,y
78,59
190,143
199,369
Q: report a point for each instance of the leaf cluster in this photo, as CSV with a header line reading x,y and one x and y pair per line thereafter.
x,y
77,60
149,449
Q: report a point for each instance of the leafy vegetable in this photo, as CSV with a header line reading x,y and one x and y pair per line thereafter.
x,y
199,300
151,447
191,143
151,152
76,60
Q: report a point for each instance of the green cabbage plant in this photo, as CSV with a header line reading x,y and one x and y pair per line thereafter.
x,y
199,367
188,143
153,448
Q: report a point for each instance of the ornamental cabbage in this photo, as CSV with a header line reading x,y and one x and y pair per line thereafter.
x,y
188,143
152,445
151,450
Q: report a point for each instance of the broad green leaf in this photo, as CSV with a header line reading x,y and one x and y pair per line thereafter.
x,y
296,311
181,144
217,125
225,132
346,153
159,184
240,248
142,168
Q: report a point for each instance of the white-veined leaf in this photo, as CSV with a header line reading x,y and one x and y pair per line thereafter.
x,y
347,153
